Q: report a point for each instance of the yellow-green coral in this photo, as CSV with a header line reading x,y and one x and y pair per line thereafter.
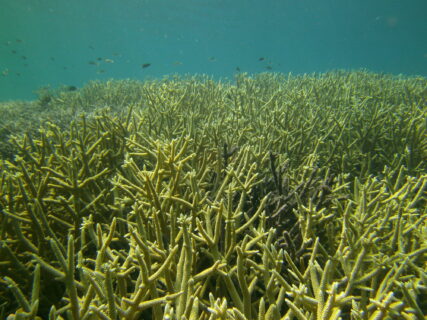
x,y
276,197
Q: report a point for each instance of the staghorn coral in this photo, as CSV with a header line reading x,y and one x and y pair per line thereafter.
x,y
278,197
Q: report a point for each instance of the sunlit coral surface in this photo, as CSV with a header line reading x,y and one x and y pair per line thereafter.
x,y
270,197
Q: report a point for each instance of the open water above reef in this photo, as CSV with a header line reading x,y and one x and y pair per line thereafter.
x,y
59,42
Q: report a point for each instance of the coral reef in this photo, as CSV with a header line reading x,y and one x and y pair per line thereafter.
x,y
273,197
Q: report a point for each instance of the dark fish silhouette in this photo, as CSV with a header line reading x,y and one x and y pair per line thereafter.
x,y
261,59
145,65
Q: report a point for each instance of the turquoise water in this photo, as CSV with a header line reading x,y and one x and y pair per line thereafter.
x,y
59,42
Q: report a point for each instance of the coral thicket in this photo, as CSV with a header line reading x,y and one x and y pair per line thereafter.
x,y
270,197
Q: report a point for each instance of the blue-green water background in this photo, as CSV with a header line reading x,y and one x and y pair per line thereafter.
x,y
63,42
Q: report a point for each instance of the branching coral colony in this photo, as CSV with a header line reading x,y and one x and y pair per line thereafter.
x,y
276,197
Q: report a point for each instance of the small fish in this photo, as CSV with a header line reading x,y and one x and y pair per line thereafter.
x,y
99,59
71,88
212,59
177,63
100,71
23,57
261,59
14,51
269,67
237,69
93,63
18,40
145,65
109,60
5,72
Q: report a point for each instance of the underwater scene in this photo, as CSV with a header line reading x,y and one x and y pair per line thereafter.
x,y
213,160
